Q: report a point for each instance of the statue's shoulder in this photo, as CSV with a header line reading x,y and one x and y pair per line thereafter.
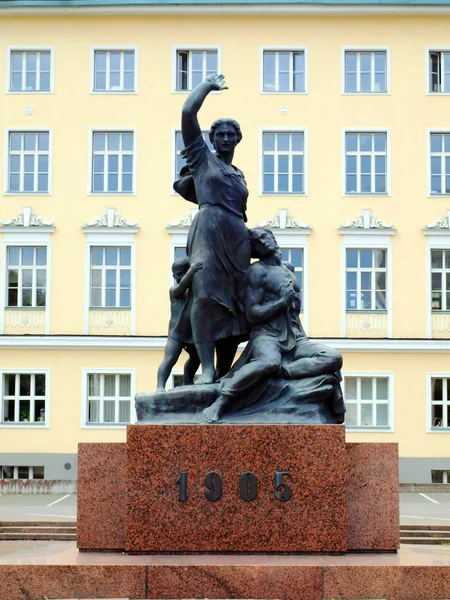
x,y
256,273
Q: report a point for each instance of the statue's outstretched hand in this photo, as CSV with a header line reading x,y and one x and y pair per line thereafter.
x,y
217,82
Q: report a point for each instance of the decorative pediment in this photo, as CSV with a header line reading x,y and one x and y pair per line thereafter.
x,y
440,224
283,220
185,221
110,218
366,220
26,218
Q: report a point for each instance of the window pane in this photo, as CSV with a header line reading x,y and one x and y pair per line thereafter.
x,y
297,142
436,142
23,472
436,389
382,415
111,256
10,384
366,415
297,258
382,388
110,385
125,298
94,384
350,82
109,411
94,411
269,142
351,418
352,258
366,388
127,142
351,142
350,388
124,411
25,385
283,141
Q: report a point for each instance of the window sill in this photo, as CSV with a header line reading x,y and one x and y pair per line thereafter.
x,y
109,308
111,193
114,93
366,93
369,429
105,425
262,194
24,425
438,93
440,312
366,194
439,430
278,93
438,195
366,311
27,193
25,308
31,92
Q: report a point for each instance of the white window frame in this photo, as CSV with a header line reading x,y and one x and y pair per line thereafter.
x,y
262,131
24,238
118,268
430,132
109,238
23,425
84,397
443,272
291,49
20,287
428,50
373,271
364,130
190,48
429,377
361,239
11,49
24,130
437,240
125,48
391,409
92,131
385,49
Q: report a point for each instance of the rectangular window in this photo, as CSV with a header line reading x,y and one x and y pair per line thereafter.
x,y
109,398
365,72
179,146
21,472
283,71
440,163
440,280
114,71
112,162
283,163
440,402
366,279
295,257
110,277
440,476
367,402
439,72
24,398
30,71
28,162
365,163
27,276
193,66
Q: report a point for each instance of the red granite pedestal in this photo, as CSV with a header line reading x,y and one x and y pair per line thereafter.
x,y
344,497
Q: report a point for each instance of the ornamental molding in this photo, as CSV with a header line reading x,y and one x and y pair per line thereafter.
x,y
440,224
185,221
283,220
110,218
26,218
366,220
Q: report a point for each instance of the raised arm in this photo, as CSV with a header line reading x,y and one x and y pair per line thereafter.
x,y
190,127
177,290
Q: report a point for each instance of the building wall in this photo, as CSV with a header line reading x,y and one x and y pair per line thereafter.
x,y
71,112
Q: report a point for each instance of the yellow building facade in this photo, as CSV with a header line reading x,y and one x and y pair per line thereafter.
x,y
346,152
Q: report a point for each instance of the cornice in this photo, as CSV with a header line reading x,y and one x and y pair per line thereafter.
x,y
80,342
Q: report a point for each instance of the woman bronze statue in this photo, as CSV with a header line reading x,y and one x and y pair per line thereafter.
x,y
218,236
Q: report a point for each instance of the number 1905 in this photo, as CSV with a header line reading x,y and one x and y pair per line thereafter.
x,y
248,486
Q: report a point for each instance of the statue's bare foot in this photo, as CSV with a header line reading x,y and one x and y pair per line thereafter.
x,y
211,414
160,389
205,378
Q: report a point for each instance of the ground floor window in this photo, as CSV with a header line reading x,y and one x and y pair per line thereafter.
x,y
109,398
10,472
440,402
367,401
24,398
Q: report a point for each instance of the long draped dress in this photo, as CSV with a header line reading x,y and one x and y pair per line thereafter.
x,y
219,238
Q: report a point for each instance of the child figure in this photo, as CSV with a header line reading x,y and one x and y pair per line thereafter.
x,y
180,334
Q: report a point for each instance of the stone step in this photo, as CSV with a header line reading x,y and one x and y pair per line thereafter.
x,y
38,524
38,536
431,541
425,533
37,529
425,527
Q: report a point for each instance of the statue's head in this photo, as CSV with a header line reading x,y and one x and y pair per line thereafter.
x,y
262,242
180,267
225,134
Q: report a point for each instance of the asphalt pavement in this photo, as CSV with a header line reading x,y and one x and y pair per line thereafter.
x,y
415,508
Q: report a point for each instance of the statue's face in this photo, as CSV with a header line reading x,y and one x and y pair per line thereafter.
x,y
267,244
225,139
